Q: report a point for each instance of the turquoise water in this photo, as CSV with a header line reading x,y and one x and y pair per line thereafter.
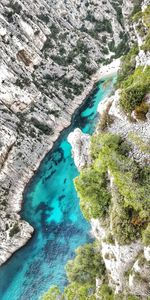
x,y
51,206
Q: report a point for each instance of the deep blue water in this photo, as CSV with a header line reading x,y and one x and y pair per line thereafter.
x,y
52,207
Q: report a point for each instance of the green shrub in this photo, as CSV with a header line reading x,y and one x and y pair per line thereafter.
x,y
14,230
146,16
123,230
131,297
134,89
53,294
44,18
123,47
105,293
137,7
54,30
130,214
105,121
136,139
92,190
44,128
16,7
81,47
76,291
86,266
118,9
143,27
104,25
141,111
146,45
104,140
132,97
48,44
146,236
109,239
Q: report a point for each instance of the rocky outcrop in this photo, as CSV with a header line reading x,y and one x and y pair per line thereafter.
x,y
80,143
14,234
118,258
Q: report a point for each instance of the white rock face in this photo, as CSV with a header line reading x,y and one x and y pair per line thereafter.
x,y
98,230
80,143
139,279
9,244
118,260
113,103
147,253
115,109
143,59
127,8
145,3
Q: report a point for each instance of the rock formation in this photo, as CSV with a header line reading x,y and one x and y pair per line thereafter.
x,y
80,147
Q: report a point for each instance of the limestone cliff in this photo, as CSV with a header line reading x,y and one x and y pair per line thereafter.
x,y
49,50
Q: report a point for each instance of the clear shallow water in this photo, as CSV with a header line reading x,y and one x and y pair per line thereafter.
x,y
51,206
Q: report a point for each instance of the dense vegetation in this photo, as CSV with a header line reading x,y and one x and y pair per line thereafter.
x,y
92,190
128,203
134,88
135,82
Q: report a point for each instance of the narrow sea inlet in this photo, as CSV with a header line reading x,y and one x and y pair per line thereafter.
x,y
51,206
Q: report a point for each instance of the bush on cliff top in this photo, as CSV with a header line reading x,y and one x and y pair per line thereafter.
x,y
146,236
86,266
92,190
134,89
